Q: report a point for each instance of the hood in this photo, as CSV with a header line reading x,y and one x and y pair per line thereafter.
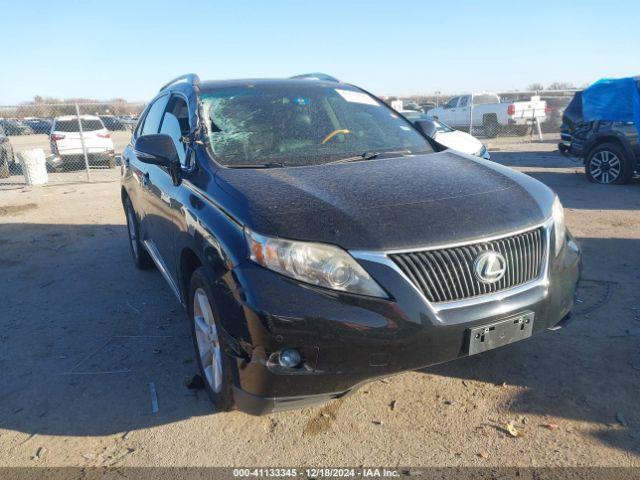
x,y
461,141
386,203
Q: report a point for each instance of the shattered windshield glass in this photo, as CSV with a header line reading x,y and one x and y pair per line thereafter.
x,y
298,125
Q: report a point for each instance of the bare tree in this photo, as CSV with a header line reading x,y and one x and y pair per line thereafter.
x,y
561,86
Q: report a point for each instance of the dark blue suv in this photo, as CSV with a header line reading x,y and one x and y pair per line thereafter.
x,y
319,240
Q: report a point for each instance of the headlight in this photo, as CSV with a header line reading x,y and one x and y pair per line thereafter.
x,y
559,228
318,264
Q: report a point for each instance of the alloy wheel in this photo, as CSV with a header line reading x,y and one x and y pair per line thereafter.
x,y
605,167
207,340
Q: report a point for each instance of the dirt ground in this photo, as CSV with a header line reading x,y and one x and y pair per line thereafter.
x,y
83,334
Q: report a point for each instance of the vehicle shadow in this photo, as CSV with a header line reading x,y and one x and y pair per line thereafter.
x,y
83,334
589,371
541,159
569,180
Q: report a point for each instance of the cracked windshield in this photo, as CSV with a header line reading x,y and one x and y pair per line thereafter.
x,y
298,125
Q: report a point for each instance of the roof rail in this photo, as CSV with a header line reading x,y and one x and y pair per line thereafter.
x,y
192,78
316,76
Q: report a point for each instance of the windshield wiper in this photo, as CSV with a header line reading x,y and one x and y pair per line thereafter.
x,y
258,165
356,158
372,155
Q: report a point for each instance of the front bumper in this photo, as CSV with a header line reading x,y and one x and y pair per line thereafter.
x,y
346,340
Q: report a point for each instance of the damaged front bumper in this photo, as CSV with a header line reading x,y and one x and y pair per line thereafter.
x,y
346,340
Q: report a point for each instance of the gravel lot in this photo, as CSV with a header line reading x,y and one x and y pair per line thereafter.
x,y
83,334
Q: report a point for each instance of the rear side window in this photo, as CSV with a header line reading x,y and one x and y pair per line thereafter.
x,y
154,116
72,125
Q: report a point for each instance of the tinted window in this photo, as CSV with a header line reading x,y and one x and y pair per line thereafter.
x,y
171,127
154,115
464,101
303,125
452,103
72,125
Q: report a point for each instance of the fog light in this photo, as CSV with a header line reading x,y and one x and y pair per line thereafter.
x,y
289,358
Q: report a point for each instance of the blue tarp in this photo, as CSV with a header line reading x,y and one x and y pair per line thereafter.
x,y
612,100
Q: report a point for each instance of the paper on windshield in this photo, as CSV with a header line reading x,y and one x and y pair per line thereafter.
x,y
357,97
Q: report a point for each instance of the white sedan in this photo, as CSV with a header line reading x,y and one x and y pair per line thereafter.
x,y
448,136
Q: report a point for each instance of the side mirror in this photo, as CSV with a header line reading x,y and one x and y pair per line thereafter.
x,y
156,149
427,127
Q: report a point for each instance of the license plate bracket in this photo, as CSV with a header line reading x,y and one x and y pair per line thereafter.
x,y
503,332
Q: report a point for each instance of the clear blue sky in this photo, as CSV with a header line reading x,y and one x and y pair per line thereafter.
x,y
112,48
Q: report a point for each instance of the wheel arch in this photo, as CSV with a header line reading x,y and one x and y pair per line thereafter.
x,y
189,263
123,194
613,139
489,116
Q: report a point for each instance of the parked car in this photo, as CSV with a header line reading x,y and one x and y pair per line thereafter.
x,y
39,125
490,113
7,158
448,136
425,106
129,121
66,143
610,151
318,240
14,127
112,123
413,106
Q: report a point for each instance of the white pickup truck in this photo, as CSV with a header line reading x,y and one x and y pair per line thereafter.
x,y
490,113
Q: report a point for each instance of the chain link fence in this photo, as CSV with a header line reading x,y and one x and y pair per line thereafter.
x,y
78,141
83,141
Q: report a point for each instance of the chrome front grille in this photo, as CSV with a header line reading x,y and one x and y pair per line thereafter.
x,y
448,274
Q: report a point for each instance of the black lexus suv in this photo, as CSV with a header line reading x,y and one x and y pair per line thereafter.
x,y
319,240
609,150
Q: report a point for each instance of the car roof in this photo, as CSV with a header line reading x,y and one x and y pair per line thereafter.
x,y
212,85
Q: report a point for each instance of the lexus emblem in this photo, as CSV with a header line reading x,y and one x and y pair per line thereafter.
x,y
490,267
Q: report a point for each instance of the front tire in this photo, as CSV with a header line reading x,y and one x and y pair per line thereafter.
x,y
141,257
215,366
607,164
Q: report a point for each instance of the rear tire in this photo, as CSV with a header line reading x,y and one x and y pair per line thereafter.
x,y
491,126
216,367
141,257
607,164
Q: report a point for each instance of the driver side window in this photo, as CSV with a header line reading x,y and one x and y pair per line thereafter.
x,y
175,123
